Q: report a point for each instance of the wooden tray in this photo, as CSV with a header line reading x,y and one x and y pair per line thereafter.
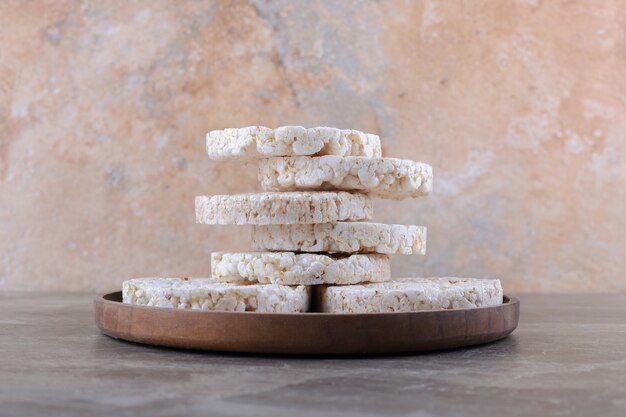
x,y
305,333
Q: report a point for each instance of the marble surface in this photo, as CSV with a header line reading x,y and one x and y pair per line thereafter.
x,y
567,357
520,106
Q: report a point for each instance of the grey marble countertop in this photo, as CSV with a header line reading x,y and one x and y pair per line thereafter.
x,y
567,357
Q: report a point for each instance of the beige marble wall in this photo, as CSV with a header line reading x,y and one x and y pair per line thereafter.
x,y
519,106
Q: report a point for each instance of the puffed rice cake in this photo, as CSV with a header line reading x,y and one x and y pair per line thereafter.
x,y
211,294
288,268
345,237
283,208
390,178
256,142
409,294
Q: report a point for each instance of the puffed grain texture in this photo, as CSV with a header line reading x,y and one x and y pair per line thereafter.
x,y
344,237
256,142
410,294
211,294
390,178
283,208
288,268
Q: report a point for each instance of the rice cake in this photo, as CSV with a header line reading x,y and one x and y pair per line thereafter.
x,y
211,294
283,208
288,268
256,142
346,237
390,178
410,294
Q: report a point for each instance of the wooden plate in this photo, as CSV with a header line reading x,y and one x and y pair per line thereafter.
x,y
305,333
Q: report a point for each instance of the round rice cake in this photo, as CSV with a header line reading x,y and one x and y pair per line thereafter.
x,y
288,268
346,237
256,142
283,208
410,294
390,178
211,294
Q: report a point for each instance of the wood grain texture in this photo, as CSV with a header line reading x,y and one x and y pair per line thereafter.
x,y
306,333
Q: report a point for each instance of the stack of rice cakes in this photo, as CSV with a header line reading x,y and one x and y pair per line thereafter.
x,y
314,247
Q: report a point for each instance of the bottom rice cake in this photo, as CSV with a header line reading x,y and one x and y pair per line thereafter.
x,y
210,294
410,294
289,268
